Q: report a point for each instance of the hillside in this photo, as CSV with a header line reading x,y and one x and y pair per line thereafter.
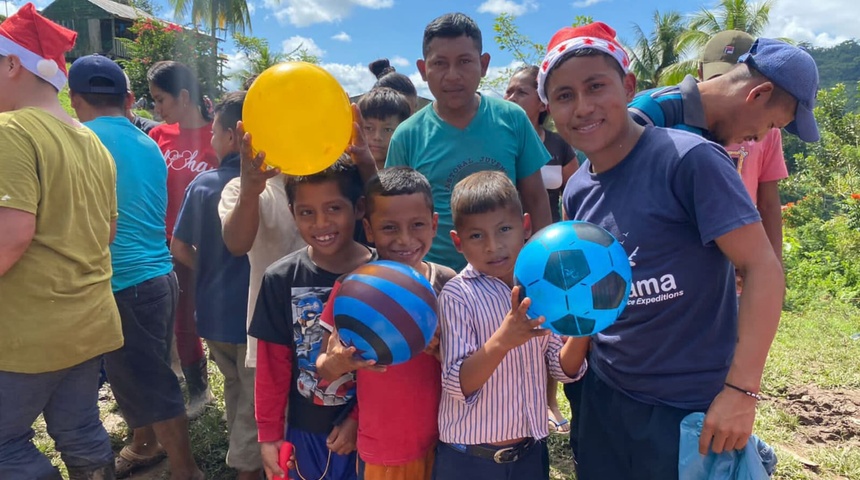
x,y
840,64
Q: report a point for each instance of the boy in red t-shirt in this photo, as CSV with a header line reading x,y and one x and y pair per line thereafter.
x,y
399,404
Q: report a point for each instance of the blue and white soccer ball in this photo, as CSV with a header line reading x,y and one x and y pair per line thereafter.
x,y
577,275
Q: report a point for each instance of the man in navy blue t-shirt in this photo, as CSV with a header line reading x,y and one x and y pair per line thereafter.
x,y
221,300
677,205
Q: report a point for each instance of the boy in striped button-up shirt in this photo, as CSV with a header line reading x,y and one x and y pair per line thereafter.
x,y
493,414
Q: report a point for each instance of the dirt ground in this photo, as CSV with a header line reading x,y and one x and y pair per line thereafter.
x,y
825,416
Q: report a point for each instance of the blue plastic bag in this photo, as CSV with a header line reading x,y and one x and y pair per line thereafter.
x,y
756,461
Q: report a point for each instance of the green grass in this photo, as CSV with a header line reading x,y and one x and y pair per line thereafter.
x,y
813,348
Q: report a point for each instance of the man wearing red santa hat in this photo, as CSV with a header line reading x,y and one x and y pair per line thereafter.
x,y
58,212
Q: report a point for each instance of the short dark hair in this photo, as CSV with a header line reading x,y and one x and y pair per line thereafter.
x,y
246,85
452,25
395,181
483,192
103,100
343,172
381,103
532,72
387,76
585,52
229,110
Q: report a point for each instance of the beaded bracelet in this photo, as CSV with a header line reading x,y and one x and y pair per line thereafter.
x,y
754,395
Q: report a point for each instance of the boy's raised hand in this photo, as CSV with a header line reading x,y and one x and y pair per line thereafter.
x,y
517,328
252,173
358,148
344,359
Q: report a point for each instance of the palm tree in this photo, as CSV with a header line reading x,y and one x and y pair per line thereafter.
x,y
740,15
230,15
651,55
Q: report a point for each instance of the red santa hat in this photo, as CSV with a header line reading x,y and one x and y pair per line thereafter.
x,y
596,36
40,44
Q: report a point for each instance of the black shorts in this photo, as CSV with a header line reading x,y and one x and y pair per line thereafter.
x,y
146,389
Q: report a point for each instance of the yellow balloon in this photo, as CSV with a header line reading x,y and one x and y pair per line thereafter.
x,y
300,116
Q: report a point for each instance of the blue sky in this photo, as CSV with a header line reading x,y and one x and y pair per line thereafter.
x,y
348,34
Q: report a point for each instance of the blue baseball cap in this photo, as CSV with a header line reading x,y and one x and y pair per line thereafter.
x,y
97,74
792,69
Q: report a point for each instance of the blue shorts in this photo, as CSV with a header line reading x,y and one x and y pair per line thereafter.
x,y
621,438
146,389
315,461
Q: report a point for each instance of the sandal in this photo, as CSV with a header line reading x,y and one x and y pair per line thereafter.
x,y
559,427
128,461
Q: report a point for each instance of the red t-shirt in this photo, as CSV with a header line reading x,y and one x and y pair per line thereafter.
x,y
399,419
188,152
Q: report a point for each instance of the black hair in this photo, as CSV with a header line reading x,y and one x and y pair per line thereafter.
x,y
532,72
246,85
381,103
483,192
452,25
395,181
387,76
103,100
343,172
585,52
173,77
229,109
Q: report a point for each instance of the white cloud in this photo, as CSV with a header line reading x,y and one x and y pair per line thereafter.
x,y
498,7
829,23
236,62
586,3
342,37
8,8
302,13
308,44
420,85
252,7
399,61
355,79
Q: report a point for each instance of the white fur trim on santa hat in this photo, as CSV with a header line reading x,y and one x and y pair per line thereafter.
x,y
578,43
43,68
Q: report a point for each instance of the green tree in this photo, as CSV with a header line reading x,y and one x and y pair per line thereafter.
x,y
742,15
652,55
259,56
214,15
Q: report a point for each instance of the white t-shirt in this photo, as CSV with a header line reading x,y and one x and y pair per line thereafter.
x,y
277,236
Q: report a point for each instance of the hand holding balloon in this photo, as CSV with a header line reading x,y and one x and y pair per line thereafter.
x,y
252,173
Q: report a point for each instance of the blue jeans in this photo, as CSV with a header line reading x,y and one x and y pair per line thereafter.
x,y
68,399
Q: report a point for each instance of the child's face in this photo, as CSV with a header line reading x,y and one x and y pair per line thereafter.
x,y
453,70
402,227
223,140
588,102
522,91
491,241
325,217
378,133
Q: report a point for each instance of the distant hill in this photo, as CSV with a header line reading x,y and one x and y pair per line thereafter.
x,y
839,64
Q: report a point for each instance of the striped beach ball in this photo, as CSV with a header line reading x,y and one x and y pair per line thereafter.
x,y
387,310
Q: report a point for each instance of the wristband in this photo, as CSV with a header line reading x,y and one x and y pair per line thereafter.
x,y
754,395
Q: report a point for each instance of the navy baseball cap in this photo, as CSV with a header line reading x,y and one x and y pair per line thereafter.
x,y
97,74
792,69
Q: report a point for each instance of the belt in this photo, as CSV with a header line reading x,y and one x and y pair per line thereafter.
x,y
508,454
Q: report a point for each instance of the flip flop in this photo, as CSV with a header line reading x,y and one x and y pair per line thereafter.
x,y
559,427
128,461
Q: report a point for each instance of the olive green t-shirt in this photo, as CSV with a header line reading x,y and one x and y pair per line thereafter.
x,y
56,305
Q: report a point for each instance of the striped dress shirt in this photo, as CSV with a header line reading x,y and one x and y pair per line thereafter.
x,y
512,404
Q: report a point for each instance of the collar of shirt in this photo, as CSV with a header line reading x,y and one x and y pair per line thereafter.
x,y
694,111
232,160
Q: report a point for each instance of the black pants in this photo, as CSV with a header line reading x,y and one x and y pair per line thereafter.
x,y
452,464
621,438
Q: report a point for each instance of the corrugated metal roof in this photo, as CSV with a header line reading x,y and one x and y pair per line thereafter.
x,y
120,10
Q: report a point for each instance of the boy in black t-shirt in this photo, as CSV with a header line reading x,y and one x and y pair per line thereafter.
x,y
286,323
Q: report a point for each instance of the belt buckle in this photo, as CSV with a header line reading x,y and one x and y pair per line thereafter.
x,y
498,456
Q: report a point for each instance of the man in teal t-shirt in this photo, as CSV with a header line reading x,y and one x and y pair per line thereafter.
x,y
144,285
464,132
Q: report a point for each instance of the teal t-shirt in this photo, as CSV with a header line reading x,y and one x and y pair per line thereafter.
x,y
139,252
500,137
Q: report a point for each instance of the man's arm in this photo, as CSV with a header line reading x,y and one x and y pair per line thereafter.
x,y
730,418
17,229
771,214
184,253
535,200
